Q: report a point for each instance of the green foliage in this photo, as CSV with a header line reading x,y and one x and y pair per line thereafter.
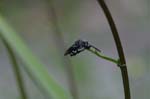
x,y
32,63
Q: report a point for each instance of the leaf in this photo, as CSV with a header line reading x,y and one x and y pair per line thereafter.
x,y
32,63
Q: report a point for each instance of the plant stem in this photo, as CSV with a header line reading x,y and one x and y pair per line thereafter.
x,y
103,56
17,71
38,85
60,45
119,48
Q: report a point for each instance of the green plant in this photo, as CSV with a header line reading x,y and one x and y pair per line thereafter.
x,y
16,69
80,46
34,66
122,61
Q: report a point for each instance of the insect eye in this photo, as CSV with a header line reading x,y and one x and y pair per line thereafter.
x,y
87,45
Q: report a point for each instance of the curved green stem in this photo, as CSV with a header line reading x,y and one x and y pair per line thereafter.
x,y
99,54
116,37
17,71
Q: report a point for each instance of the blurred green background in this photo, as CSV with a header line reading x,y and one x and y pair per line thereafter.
x,y
80,19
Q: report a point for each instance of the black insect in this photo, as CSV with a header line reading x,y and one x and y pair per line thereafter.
x,y
77,47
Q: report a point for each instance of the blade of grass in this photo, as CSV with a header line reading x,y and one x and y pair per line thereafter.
x,y
19,77
40,88
32,62
16,69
